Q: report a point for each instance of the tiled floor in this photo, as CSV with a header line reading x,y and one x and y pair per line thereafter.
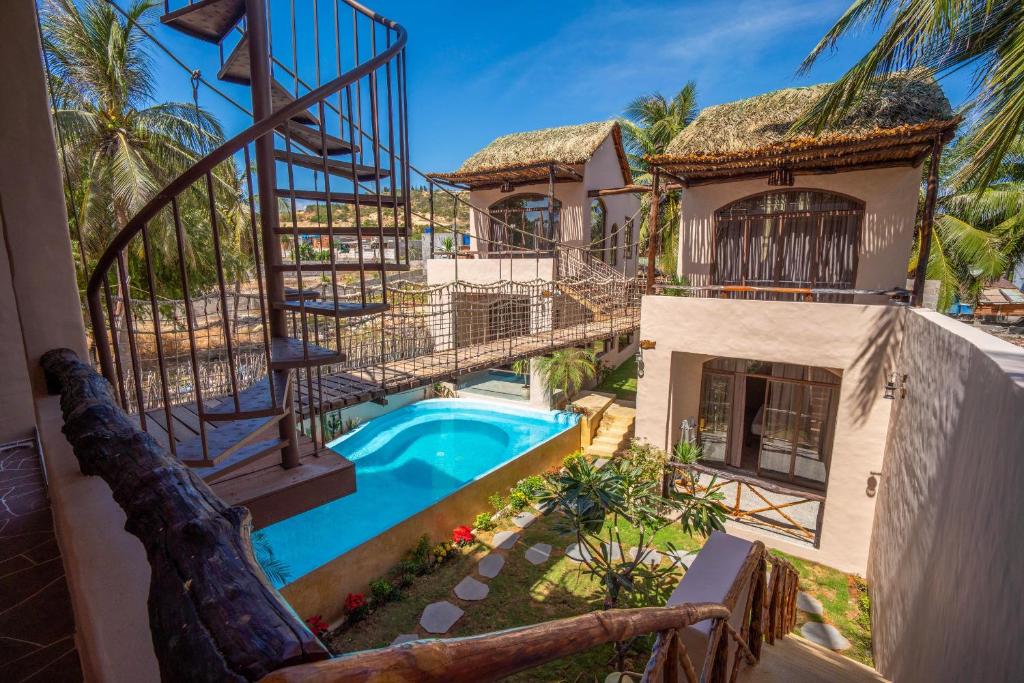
x,y
36,625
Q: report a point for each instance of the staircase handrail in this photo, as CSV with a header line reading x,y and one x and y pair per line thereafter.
x,y
201,168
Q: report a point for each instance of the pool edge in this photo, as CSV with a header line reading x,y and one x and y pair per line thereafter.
x,y
323,590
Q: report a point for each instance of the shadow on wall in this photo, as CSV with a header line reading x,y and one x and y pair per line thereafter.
x,y
875,359
947,564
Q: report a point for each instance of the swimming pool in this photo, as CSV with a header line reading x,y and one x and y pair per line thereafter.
x,y
406,461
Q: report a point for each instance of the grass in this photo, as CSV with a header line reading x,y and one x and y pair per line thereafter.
x,y
846,602
524,594
621,381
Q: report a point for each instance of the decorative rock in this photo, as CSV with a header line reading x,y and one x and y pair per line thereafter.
x,y
490,566
538,554
809,604
471,589
652,558
504,540
524,519
825,635
405,638
614,551
439,617
577,553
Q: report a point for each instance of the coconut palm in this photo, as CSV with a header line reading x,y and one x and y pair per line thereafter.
x,y
120,144
940,36
649,125
567,369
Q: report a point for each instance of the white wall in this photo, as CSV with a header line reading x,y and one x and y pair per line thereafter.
x,y
861,341
890,196
603,172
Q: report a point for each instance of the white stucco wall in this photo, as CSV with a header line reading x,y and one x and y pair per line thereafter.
x,y
859,340
603,172
890,198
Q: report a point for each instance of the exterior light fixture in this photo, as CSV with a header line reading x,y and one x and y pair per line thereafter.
x,y
640,361
872,489
890,387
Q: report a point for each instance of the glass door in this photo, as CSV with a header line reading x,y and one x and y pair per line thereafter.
x,y
796,431
715,414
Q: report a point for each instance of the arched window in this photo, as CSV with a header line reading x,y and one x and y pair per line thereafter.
x,y
790,238
522,218
598,219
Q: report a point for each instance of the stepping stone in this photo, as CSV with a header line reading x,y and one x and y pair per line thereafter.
x,y
825,635
405,638
619,677
538,554
524,519
439,617
504,540
809,604
490,566
600,462
652,558
577,553
614,551
471,589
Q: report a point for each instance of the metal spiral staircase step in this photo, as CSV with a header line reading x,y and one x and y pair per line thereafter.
x,y
334,309
365,200
310,138
326,267
367,232
287,352
342,169
293,294
255,401
209,20
238,441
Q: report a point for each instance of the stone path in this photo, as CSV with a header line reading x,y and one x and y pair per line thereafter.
x,y
439,617
471,589
538,554
524,519
809,604
652,558
490,566
577,553
825,635
504,540
405,638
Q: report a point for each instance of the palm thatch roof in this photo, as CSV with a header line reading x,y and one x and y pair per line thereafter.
x,y
526,157
893,122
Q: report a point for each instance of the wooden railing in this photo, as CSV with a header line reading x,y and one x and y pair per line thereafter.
x,y
724,480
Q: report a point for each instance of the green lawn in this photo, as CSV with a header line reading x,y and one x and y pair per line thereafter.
x,y
525,594
621,381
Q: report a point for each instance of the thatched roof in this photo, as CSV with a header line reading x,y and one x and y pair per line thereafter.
x,y
526,157
892,123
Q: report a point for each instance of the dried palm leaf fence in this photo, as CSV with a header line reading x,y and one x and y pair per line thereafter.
x,y
201,635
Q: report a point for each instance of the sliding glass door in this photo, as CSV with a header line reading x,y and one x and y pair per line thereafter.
x,y
715,414
795,440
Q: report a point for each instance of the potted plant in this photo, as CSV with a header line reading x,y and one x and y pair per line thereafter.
x,y
522,367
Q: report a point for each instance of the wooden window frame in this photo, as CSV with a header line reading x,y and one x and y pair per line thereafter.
x,y
496,233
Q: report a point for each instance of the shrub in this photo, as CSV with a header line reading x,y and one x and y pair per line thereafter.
x,y
318,626
355,606
531,486
382,590
518,500
496,501
484,522
462,535
649,460
572,458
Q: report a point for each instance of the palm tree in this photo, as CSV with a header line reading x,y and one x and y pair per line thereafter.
x,y
649,125
120,144
567,369
940,36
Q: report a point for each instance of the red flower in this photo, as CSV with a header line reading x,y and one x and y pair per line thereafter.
x,y
317,625
354,602
462,535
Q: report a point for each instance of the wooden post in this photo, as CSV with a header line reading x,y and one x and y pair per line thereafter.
x,y
212,613
652,231
927,219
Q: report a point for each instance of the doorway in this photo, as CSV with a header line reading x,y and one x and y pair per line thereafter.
x,y
774,420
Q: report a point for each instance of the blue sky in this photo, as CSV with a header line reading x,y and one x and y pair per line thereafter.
x,y
478,70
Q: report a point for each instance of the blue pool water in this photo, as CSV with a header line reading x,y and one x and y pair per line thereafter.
x,y
405,462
